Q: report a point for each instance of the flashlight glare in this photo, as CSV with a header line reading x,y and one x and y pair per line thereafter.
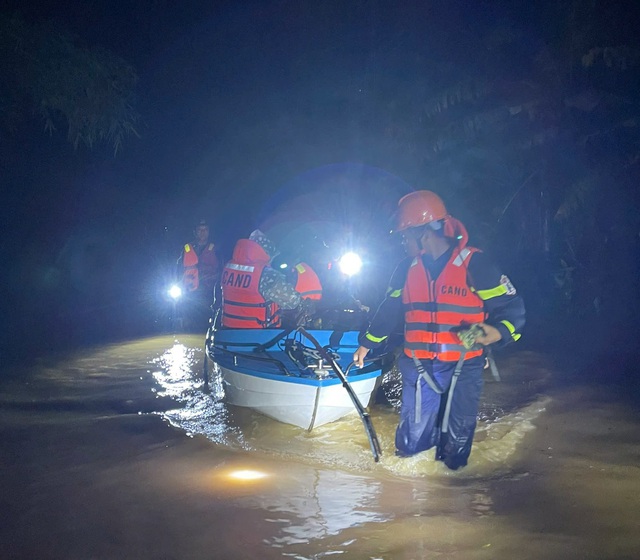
x,y
175,292
350,264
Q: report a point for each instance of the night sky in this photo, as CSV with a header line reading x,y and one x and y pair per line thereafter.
x,y
244,106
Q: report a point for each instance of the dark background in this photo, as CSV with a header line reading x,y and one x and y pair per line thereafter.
x,y
312,119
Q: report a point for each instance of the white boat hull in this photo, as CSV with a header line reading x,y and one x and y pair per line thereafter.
x,y
306,404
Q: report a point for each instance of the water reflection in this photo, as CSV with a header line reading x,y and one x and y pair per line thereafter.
x,y
320,504
175,375
201,409
308,504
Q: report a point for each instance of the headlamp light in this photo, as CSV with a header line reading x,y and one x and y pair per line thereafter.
x,y
350,264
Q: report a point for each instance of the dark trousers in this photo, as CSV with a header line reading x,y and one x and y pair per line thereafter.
x,y
422,429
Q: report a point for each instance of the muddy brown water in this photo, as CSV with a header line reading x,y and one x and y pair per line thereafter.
x,y
118,452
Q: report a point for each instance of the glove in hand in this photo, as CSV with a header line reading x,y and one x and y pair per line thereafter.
x,y
468,336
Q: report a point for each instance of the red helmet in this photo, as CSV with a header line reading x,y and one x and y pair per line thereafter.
x,y
419,208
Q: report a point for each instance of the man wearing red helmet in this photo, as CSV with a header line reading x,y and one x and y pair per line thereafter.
x,y
443,288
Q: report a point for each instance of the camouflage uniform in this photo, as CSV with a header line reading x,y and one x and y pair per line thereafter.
x,y
273,284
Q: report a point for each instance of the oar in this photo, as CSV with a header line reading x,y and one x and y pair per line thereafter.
x,y
366,419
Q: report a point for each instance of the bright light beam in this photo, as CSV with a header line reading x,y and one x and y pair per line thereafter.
x,y
350,264
175,292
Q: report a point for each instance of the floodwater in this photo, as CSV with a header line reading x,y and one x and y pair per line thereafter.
x,y
119,453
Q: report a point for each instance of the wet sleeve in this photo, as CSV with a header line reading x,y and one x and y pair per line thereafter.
x,y
503,304
389,312
274,287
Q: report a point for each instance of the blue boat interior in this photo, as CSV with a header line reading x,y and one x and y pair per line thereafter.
x,y
289,355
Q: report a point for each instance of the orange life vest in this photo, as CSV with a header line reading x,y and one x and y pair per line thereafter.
x,y
190,277
192,264
308,284
242,305
434,309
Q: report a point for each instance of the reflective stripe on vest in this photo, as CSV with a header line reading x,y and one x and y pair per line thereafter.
x,y
434,309
243,307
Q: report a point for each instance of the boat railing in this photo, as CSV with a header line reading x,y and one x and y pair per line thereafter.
x,y
213,350
319,370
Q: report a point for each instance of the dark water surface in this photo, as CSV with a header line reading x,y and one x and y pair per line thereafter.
x,y
119,453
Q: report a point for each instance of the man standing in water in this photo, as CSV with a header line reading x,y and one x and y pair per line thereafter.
x,y
198,264
455,302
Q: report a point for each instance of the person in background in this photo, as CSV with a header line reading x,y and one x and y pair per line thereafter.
x,y
253,292
442,288
199,263
198,267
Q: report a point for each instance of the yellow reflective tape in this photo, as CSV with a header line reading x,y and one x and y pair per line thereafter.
x,y
493,292
509,325
512,329
375,339
300,268
187,248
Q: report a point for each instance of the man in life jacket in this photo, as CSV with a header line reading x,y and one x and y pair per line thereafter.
x,y
254,293
199,262
442,287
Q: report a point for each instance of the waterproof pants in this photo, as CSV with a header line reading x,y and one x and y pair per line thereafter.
x,y
421,429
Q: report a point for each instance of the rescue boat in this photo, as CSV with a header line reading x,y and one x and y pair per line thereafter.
x,y
299,377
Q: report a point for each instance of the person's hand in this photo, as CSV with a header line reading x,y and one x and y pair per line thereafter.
x,y
361,307
359,356
491,335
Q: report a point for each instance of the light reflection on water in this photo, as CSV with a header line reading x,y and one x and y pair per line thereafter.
x,y
552,474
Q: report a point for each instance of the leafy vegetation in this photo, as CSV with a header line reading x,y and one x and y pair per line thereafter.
x,y
88,91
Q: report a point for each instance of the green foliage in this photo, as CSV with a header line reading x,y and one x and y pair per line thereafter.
x,y
88,91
